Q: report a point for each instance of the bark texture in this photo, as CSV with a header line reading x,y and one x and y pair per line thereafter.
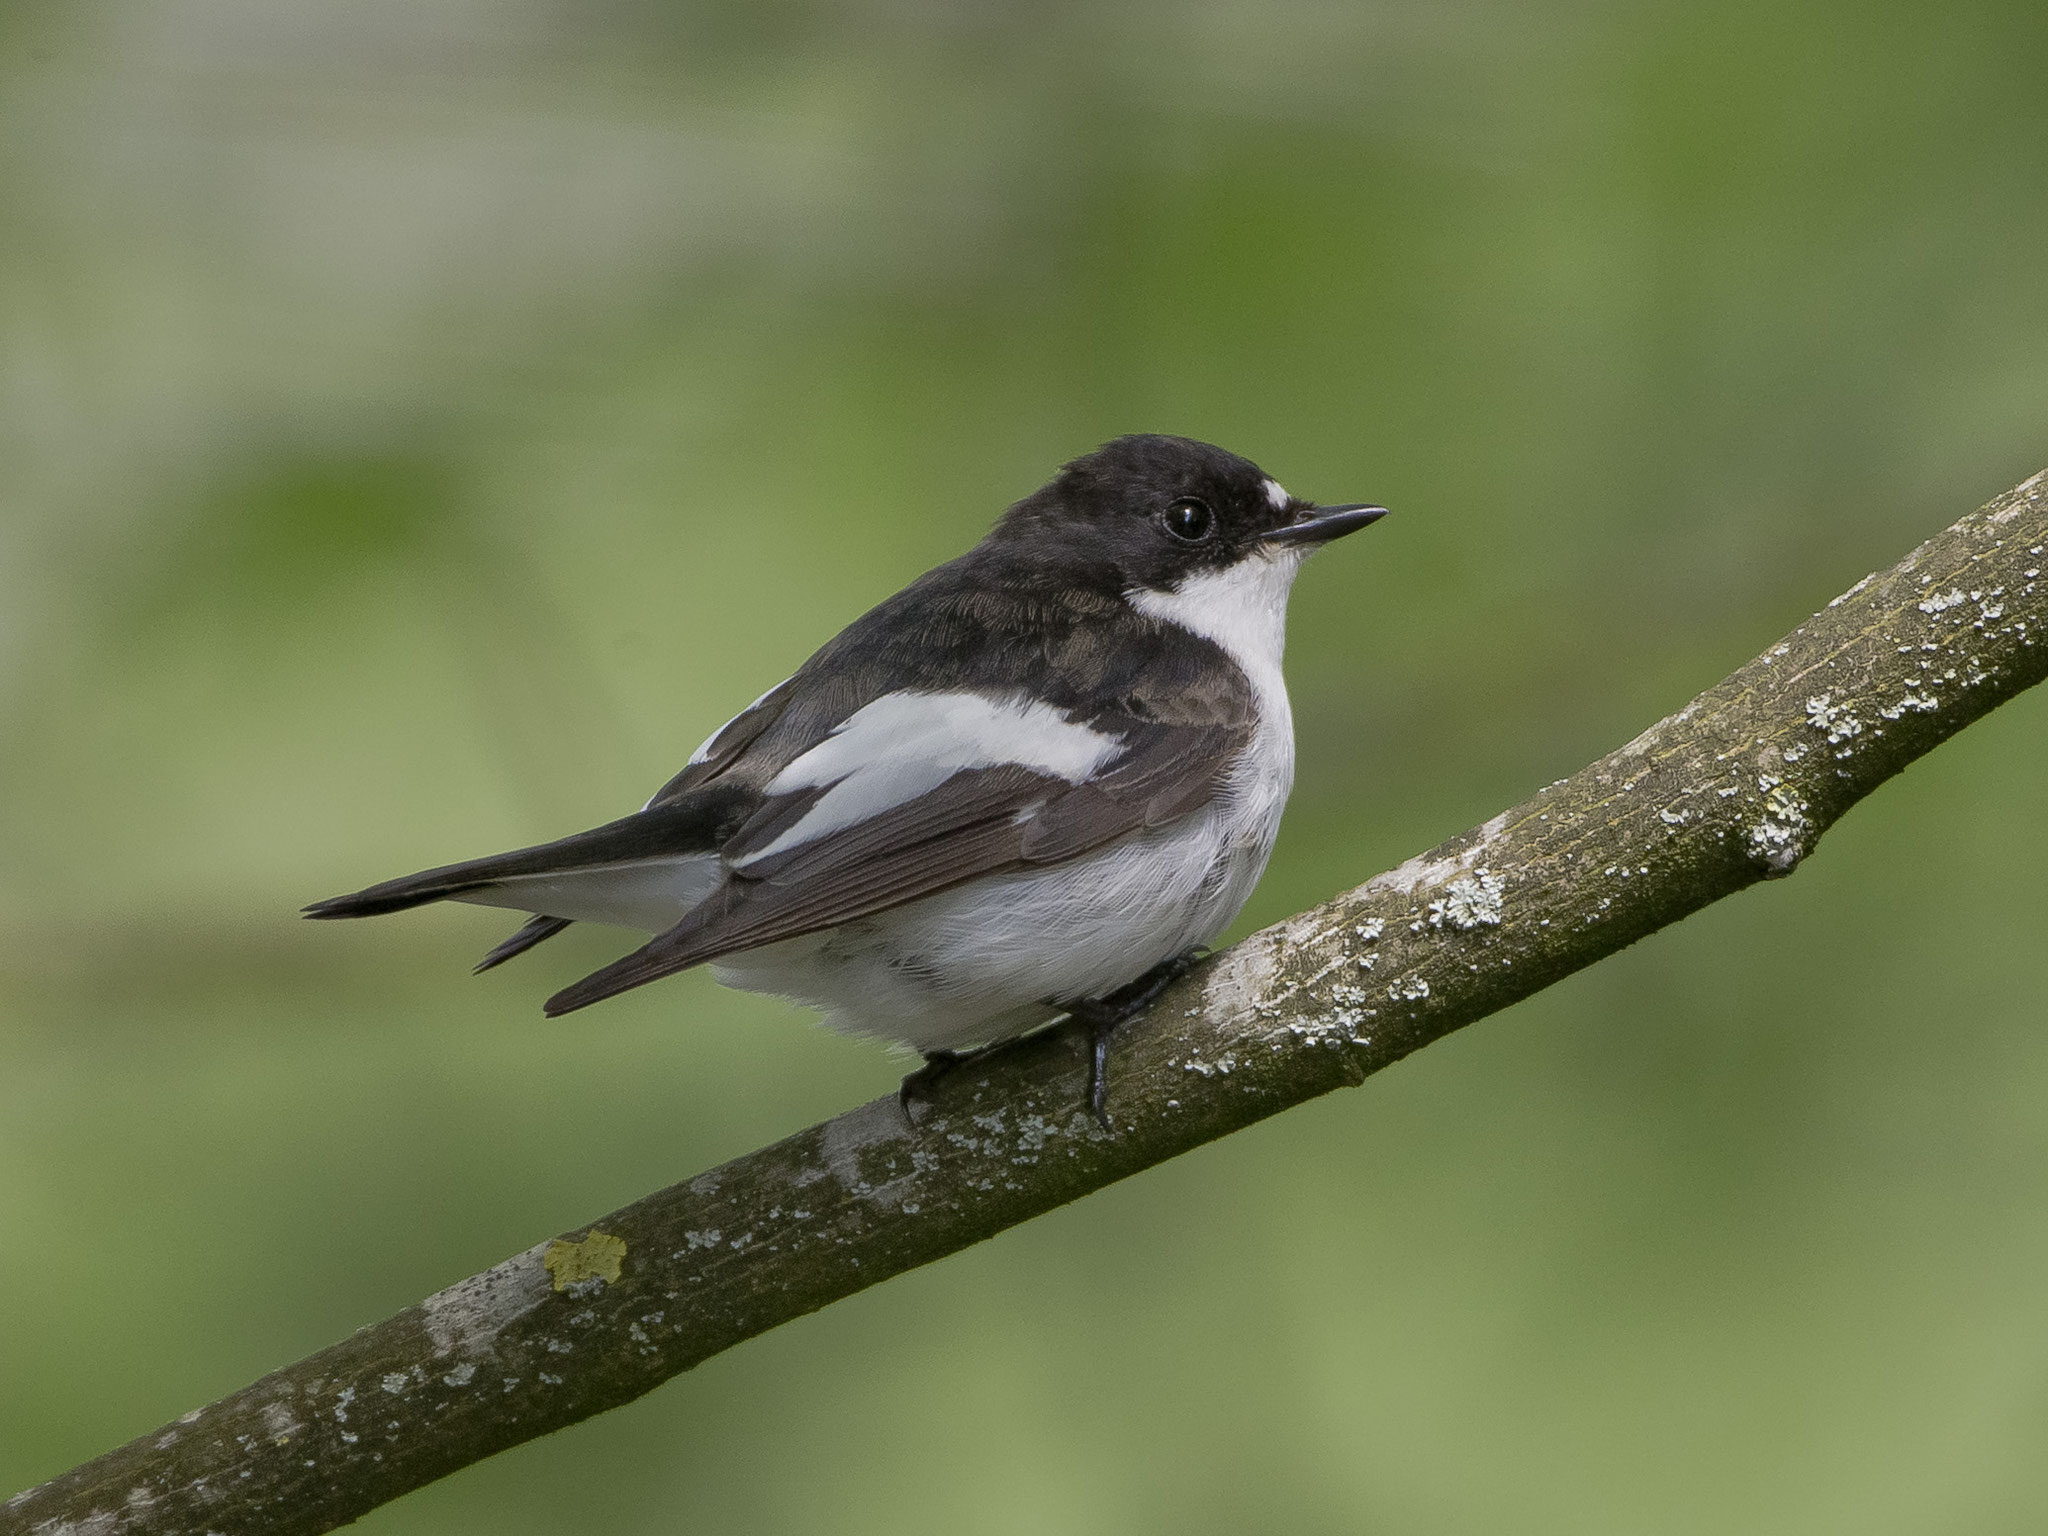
x,y
1736,787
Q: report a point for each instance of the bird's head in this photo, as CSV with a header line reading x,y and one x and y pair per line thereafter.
x,y
1151,512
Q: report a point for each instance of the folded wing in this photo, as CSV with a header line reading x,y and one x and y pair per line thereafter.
x,y
916,793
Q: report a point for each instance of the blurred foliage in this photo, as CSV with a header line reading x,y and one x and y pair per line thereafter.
x,y
421,422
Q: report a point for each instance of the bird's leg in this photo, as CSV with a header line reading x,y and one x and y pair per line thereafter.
x,y
1102,1015
937,1065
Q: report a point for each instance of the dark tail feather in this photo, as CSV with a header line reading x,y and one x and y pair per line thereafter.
x,y
663,955
537,929
397,895
635,969
696,823
648,963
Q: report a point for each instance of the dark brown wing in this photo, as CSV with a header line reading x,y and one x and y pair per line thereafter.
x,y
979,822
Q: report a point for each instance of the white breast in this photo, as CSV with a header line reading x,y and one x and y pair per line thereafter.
x,y
1243,608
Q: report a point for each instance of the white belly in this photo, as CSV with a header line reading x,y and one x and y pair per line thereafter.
x,y
984,962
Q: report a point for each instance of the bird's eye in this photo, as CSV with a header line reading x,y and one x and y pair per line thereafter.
x,y
1188,520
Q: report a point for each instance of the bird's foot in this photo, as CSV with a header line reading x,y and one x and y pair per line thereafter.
x,y
1102,1015
938,1065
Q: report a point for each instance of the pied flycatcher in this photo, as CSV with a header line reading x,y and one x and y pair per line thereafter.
x,y
1034,782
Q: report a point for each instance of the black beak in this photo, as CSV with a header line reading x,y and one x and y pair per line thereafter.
x,y
1319,525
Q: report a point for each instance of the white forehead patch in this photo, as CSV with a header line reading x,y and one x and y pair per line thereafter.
x,y
1278,497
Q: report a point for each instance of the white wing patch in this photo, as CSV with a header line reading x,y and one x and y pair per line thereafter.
x,y
907,744
1277,496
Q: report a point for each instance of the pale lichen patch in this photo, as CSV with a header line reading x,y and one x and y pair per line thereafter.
x,y
1419,872
1342,1024
1913,702
872,1125
853,1143
1240,977
1837,602
1837,720
1472,901
1778,841
468,1315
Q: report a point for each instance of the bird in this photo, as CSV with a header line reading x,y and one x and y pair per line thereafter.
x,y
1034,783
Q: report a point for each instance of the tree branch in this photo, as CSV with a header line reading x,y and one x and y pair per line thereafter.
x,y
1734,788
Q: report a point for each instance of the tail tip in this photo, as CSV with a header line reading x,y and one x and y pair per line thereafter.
x,y
536,928
579,995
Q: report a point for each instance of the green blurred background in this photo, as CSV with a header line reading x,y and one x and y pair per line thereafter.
x,y
421,421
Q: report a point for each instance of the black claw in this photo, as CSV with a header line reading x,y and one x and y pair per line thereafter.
x,y
938,1065
917,1084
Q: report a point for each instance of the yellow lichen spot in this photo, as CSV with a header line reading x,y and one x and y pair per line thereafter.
x,y
596,1257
